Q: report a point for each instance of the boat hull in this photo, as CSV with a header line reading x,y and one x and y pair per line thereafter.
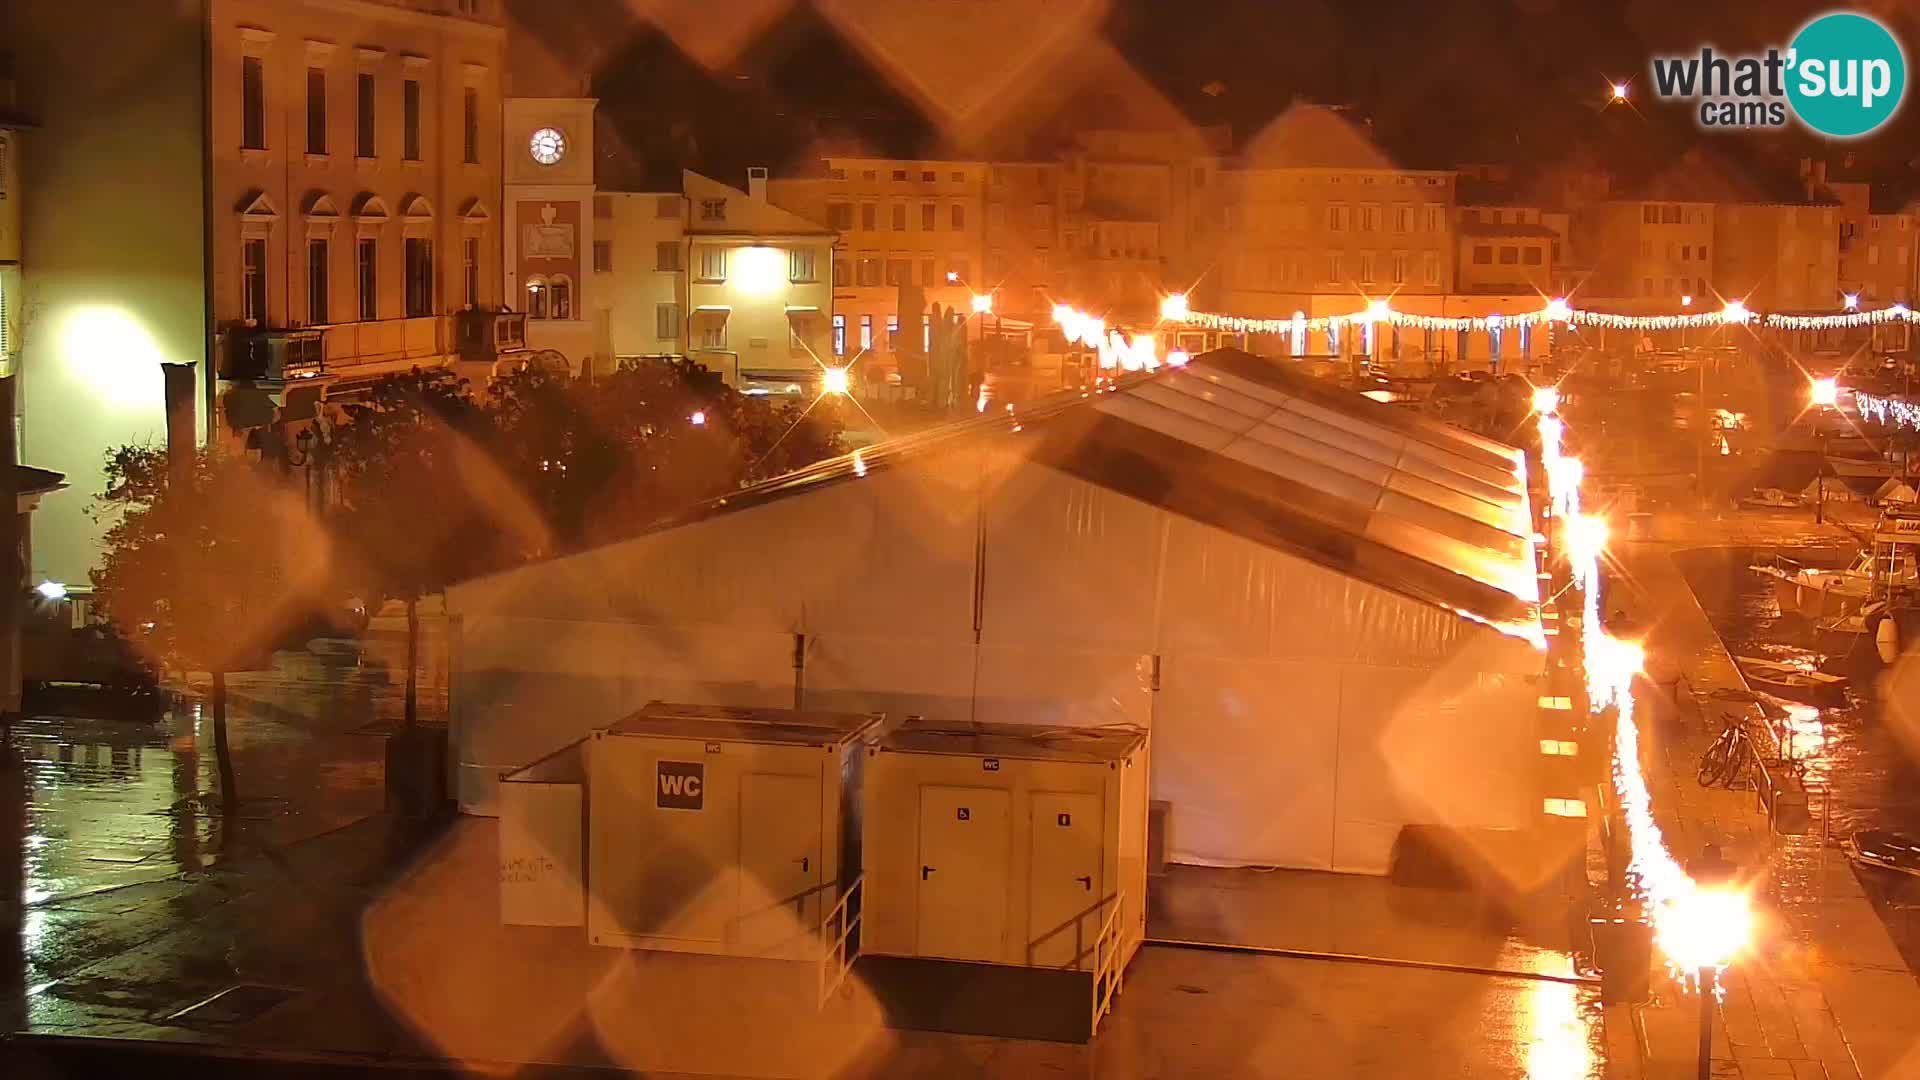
x,y
1809,601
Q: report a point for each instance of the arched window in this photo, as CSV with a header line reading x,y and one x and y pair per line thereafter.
x,y
560,300
537,297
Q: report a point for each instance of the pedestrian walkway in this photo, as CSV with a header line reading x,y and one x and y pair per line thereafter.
x,y
1824,993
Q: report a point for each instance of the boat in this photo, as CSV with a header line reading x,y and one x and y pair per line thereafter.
x,y
1815,592
1793,683
1770,499
1884,850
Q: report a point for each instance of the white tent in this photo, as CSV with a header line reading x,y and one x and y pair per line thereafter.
x,y
1324,608
1895,490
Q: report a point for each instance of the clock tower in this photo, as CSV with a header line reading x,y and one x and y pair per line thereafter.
x,y
549,236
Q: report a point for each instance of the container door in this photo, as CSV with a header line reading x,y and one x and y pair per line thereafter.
x,y
779,861
1065,891
963,872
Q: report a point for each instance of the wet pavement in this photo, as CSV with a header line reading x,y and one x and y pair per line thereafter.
x,y
316,925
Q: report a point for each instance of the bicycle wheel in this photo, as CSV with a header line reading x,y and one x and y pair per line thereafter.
x,y
1717,762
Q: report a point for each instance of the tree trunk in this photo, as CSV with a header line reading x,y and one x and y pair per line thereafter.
x,y
413,660
229,794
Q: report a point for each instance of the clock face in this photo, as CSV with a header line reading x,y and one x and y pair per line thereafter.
x,y
547,146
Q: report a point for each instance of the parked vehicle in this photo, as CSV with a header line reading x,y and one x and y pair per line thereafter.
x,y
88,670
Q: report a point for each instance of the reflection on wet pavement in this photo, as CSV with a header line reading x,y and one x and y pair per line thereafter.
x,y
114,802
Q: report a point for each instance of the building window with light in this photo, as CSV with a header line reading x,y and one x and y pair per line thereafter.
x,y
839,335
893,333
536,297
253,103
560,297
253,280
866,332
713,329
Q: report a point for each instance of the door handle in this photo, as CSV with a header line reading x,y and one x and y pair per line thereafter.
x,y
1086,880
924,871
804,862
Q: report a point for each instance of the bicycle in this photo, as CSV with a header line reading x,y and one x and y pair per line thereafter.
x,y
1724,762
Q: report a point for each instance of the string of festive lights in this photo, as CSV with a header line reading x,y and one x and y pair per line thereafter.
x,y
1888,410
1175,308
1697,928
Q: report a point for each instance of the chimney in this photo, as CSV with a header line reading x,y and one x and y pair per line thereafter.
x,y
757,182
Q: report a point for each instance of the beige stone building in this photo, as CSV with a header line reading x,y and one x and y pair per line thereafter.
x,y
759,288
640,272
915,224
1780,258
1650,253
276,197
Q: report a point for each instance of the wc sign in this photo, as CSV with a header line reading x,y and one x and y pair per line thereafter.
x,y
680,785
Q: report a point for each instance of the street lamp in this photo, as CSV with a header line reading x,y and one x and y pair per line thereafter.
x,y
1619,91
1824,394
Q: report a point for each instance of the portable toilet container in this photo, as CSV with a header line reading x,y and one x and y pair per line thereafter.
x,y
1005,875
722,830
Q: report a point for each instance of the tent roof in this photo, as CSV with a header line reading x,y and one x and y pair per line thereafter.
x,y
1254,448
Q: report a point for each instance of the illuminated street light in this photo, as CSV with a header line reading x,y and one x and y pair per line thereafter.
x,y
1735,312
1824,392
1853,301
1558,310
1546,400
1686,299
834,381
1174,308
51,590
953,276
1619,91
1378,311
698,419
1061,313
982,303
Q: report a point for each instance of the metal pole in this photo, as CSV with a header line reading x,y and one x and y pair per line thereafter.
x,y
1820,479
1706,1024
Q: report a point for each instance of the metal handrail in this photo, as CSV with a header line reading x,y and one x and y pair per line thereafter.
x,y
834,949
1107,953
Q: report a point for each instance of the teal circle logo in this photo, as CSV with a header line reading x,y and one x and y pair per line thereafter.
x,y
1846,74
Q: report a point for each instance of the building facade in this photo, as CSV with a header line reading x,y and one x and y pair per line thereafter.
x,y
759,289
640,275
292,195
1783,258
550,241
901,224
1650,254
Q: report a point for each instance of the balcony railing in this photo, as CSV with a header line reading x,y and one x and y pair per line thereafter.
x,y
272,355
356,344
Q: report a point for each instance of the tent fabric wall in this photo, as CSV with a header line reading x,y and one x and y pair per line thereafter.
x,y
1302,715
